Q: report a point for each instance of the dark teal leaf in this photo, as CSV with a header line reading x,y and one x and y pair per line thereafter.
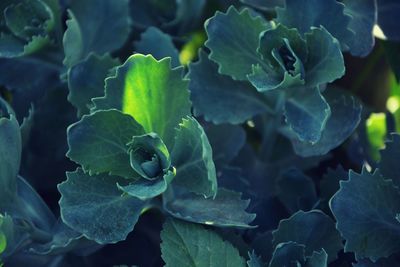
x,y
226,141
254,260
219,98
329,184
366,209
227,209
145,13
188,16
264,5
10,153
145,189
149,156
155,95
89,28
388,20
313,229
192,158
91,204
314,13
191,245
364,17
26,126
86,80
389,164
288,254
345,117
296,191
235,35
158,44
325,61
99,142
306,113
317,259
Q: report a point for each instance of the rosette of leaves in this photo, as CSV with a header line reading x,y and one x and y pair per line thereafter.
x,y
276,71
26,26
139,142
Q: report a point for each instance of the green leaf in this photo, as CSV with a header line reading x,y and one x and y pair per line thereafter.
x,y
313,229
389,165
86,80
158,44
325,60
226,210
146,189
98,142
288,254
366,209
306,113
149,156
218,97
91,204
151,92
192,158
10,153
345,117
6,234
314,13
235,35
191,245
89,28
363,18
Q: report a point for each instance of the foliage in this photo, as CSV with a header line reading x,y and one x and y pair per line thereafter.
x,y
199,133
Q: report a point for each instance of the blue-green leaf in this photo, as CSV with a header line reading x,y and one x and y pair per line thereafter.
x,y
155,95
313,229
314,13
366,209
306,112
158,44
264,5
219,98
389,164
99,142
288,254
363,18
95,207
192,159
227,209
86,80
191,245
318,259
345,117
233,40
89,28
254,260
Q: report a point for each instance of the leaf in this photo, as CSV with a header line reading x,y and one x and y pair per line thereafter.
x,y
318,259
192,158
254,261
296,191
289,254
89,28
219,98
91,204
98,142
191,245
226,141
10,153
306,113
329,185
363,18
366,209
345,117
226,210
158,44
235,35
389,166
145,14
388,11
325,61
264,5
313,229
314,13
86,80
142,82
